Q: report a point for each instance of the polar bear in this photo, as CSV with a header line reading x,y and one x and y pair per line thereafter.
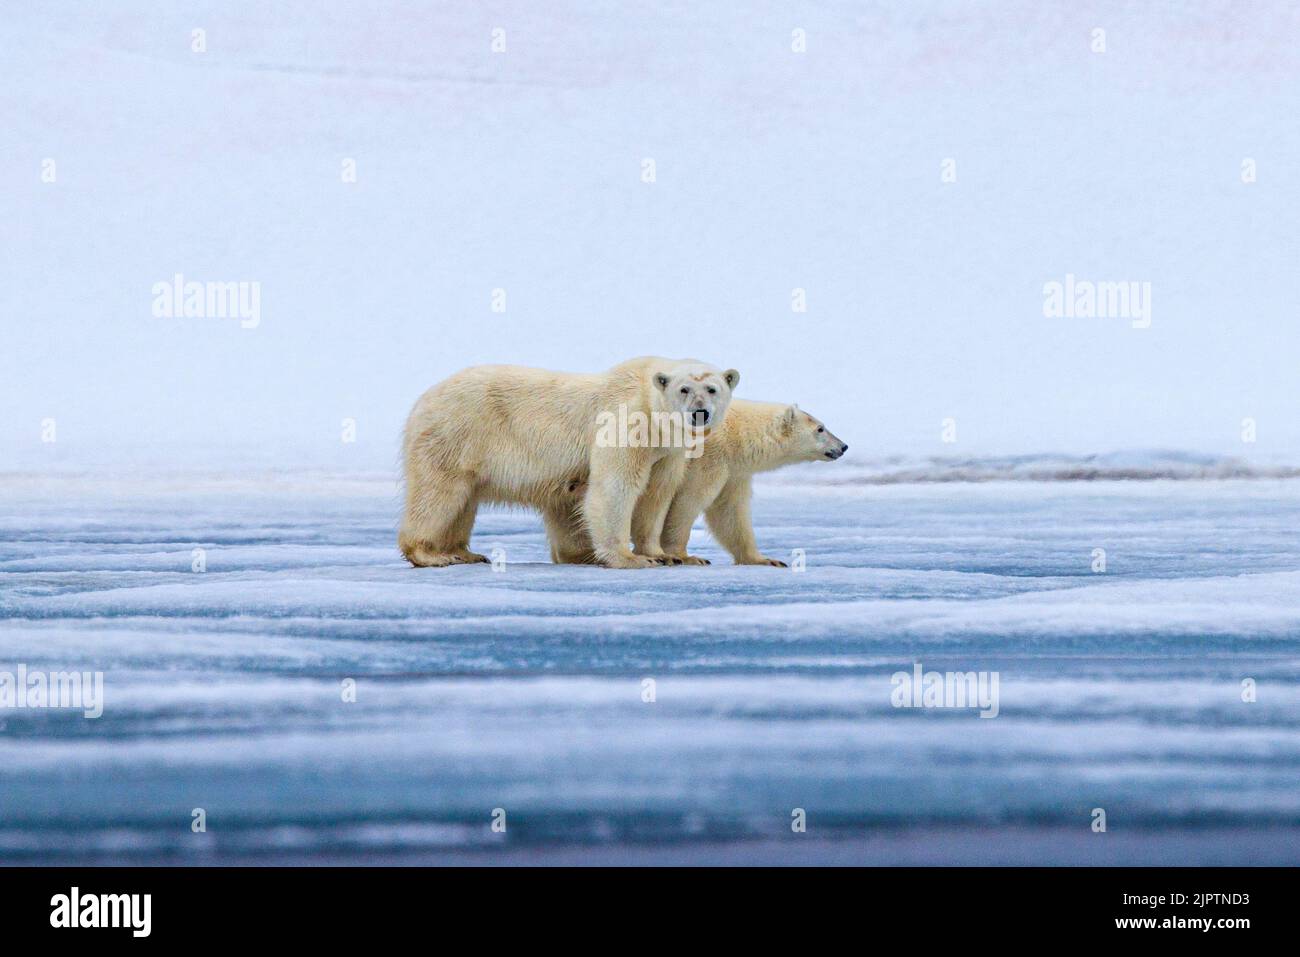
x,y
754,437
520,436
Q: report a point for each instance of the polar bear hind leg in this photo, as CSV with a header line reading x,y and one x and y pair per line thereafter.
x,y
570,543
652,507
461,530
440,510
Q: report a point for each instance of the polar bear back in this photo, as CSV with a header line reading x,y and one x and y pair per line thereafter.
x,y
524,434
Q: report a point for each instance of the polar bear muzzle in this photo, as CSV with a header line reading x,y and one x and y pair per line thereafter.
x,y
697,392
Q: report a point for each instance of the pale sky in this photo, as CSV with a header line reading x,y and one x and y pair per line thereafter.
x,y
774,170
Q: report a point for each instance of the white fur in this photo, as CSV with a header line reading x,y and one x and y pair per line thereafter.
x,y
754,437
509,434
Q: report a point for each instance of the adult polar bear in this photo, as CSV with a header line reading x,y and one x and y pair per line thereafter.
x,y
519,436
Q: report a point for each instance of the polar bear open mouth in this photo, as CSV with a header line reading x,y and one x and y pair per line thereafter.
x,y
700,417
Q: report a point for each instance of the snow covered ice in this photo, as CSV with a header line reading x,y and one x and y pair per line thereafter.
x,y
522,689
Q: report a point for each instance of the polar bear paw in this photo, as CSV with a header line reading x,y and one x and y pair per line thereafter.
x,y
684,559
628,560
423,556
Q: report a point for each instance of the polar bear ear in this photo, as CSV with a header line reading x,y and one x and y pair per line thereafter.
x,y
733,379
790,417
661,380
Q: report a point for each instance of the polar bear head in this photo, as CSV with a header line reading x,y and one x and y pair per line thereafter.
x,y
697,391
805,439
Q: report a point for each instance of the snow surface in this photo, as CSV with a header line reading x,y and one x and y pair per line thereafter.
x,y
522,689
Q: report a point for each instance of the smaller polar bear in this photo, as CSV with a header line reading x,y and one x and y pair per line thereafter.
x,y
551,441
754,437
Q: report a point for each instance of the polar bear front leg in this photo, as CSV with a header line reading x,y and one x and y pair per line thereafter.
x,y
618,477
652,507
729,521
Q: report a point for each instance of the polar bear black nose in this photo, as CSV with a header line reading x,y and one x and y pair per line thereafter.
x,y
700,417
844,448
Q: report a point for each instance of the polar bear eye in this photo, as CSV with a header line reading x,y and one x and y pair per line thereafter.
x,y
685,391
712,391
821,428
